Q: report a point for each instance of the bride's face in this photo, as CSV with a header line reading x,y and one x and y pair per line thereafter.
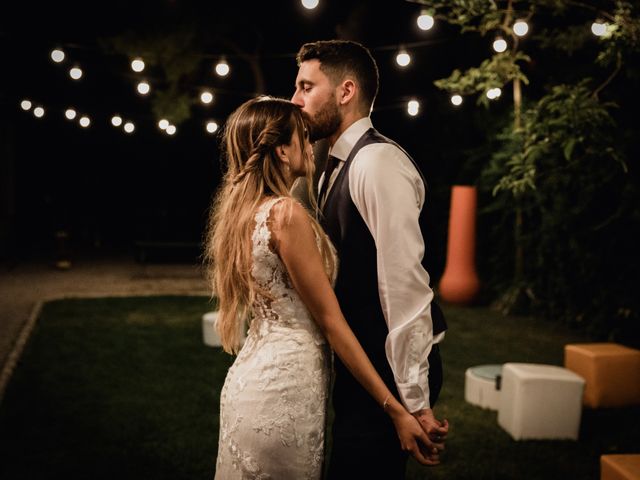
x,y
300,156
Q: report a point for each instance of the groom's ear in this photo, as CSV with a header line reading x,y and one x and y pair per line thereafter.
x,y
348,90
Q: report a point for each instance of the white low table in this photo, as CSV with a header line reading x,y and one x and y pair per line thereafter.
x,y
481,386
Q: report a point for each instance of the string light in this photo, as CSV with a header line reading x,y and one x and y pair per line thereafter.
x,y
75,73
70,113
310,4
413,107
137,65
520,28
499,44
57,55
85,121
163,124
206,97
129,127
38,112
25,105
116,120
494,93
403,58
171,129
222,68
143,88
212,127
456,100
425,20
599,28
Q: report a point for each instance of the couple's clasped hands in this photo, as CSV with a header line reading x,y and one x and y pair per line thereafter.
x,y
422,435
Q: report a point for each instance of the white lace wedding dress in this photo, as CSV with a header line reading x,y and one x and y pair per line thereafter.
x,y
273,403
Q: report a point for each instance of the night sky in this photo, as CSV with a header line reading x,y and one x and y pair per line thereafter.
x,y
109,189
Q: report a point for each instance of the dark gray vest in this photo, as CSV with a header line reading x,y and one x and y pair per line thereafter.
x,y
357,282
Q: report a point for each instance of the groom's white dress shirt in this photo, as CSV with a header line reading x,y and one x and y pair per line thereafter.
x,y
389,193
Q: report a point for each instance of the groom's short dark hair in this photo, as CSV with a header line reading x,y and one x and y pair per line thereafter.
x,y
341,57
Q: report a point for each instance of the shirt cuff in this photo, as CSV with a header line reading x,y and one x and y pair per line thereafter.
x,y
413,396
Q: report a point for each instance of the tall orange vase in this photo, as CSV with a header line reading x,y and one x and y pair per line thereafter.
x,y
460,283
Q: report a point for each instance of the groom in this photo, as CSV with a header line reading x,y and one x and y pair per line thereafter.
x,y
371,196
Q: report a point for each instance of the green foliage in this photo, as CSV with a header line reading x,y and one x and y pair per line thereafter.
x,y
622,38
172,58
496,71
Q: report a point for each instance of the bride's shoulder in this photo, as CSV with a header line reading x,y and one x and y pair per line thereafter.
x,y
287,211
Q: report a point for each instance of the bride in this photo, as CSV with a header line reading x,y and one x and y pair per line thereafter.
x,y
269,261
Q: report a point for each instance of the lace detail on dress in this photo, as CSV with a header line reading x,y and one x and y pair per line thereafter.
x,y
273,403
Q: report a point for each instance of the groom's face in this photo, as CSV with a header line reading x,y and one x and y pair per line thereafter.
x,y
316,95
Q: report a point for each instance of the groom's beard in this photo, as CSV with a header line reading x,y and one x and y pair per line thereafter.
x,y
325,122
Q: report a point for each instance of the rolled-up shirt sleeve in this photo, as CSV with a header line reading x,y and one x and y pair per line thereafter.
x,y
389,193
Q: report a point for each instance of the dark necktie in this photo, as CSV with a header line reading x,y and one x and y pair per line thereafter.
x,y
332,163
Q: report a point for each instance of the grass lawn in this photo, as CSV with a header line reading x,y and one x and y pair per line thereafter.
x,y
124,388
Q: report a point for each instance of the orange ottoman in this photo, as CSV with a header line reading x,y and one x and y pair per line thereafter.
x,y
620,467
611,371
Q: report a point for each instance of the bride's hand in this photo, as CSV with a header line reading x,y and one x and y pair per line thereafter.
x,y
412,437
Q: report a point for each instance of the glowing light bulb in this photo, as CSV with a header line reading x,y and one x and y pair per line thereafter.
x,y
413,107
403,58
116,120
38,112
222,68
599,28
212,127
25,105
171,129
499,44
520,28
75,73
137,64
85,121
57,55
143,88
425,21
310,4
129,127
206,97
70,113
163,124
456,100
493,93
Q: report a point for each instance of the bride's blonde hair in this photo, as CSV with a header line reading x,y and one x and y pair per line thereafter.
x,y
254,172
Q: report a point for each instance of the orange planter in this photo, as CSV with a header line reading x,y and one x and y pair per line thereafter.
x,y
460,283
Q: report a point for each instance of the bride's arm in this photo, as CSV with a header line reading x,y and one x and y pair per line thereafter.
x,y
295,242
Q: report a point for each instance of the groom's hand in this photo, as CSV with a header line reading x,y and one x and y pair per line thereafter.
x,y
436,432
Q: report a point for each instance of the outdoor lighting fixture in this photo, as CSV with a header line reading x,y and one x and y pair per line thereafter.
x,y
171,129
129,127
137,65
57,55
494,93
403,58
163,124
25,105
85,122
413,107
310,4
116,120
456,100
425,20
206,97
70,113
38,112
143,88
75,73
598,28
499,44
520,28
212,127
222,68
